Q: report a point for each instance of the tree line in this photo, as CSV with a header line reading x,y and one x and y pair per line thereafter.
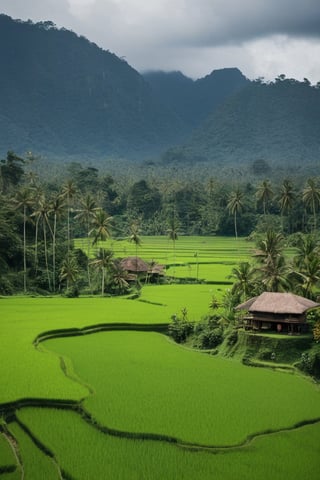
x,y
40,218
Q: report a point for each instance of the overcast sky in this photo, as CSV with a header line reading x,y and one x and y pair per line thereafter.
x,y
263,38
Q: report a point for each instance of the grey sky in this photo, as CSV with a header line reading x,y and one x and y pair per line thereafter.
x,y
261,37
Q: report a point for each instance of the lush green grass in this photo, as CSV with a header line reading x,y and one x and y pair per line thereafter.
x,y
36,465
24,369
213,272
172,298
82,450
145,383
187,249
6,453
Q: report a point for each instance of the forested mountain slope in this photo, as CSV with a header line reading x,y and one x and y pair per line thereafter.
x,y
192,100
62,95
278,122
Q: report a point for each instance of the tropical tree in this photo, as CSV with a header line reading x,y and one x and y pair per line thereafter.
x,y
119,278
286,198
275,275
307,247
10,243
264,194
235,205
101,223
310,275
23,200
68,191
85,215
306,264
269,248
103,261
11,171
57,208
244,276
69,270
173,235
311,198
41,215
136,239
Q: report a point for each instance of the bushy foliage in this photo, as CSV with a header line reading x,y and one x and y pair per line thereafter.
x,y
180,327
208,333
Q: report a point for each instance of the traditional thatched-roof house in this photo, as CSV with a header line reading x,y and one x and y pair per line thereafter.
x,y
282,312
136,267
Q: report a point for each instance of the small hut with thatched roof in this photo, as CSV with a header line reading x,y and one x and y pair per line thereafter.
x,y
281,312
138,268
134,265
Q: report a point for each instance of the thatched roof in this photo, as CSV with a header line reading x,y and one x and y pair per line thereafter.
x,y
272,302
157,269
134,264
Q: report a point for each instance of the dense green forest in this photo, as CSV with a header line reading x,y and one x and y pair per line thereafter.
x,y
40,218
193,100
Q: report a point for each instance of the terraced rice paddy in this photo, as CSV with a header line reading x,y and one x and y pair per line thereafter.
x,y
162,385
127,403
189,255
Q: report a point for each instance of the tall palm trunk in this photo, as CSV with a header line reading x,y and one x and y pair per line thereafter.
x,y
235,224
24,249
68,223
36,245
54,252
88,255
46,254
103,281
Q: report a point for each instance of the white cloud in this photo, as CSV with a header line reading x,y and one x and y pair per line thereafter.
x,y
295,57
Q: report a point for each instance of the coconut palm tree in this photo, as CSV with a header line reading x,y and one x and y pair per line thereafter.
x,y
310,275
307,248
103,261
264,194
101,223
68,191
136,239
306,264
69,270
86,214
23,200
41,215
119,277
275,275
286,198
311,198
269,248
235,205
57,208
173,235
244,276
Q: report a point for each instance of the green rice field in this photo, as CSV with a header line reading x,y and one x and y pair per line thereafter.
x,y
189,255
90,388
161,385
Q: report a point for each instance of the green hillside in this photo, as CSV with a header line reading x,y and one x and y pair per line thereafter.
x,y
277,122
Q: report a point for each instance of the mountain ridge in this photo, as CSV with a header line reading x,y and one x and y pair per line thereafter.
x,y
64,97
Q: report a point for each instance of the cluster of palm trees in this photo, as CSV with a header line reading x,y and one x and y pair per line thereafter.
x,y
47,224
38,223
274,271
285,199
